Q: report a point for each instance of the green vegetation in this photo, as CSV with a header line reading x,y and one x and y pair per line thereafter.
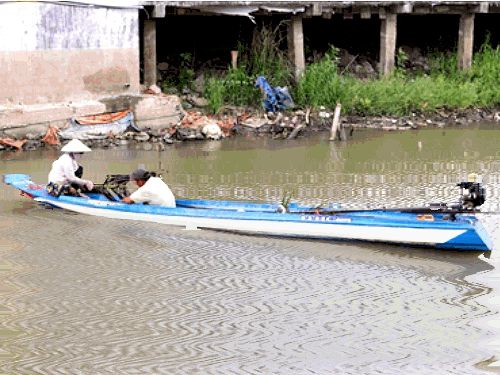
x,y
214,92
237,86
400,93
186,73
322,84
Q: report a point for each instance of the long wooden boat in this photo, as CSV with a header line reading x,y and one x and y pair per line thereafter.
x,y
462,231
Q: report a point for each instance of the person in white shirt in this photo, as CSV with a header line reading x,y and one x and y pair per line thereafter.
x,y
152,190
65,175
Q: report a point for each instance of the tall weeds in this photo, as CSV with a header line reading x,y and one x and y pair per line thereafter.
x,y
322,85
264,57
399,94
486,72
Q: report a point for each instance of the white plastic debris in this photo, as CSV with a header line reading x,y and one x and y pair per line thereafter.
x,y
212,131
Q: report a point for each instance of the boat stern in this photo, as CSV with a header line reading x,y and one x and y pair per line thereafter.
x,y
474,238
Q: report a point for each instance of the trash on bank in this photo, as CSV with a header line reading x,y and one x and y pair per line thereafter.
x,y
13,143
212,131
226,125
253,122
194,120
51,137
275,98
196,125
100,126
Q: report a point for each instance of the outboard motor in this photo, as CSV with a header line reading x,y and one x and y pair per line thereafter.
x,y
472,195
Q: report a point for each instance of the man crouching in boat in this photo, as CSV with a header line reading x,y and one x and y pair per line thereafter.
x,y
152,190
65,175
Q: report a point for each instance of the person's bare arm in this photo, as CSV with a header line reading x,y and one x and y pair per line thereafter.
x,y
127,200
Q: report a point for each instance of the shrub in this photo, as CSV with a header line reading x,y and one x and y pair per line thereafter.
x,y
214,93
321,85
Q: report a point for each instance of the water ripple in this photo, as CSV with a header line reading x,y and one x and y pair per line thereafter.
x,y
80,295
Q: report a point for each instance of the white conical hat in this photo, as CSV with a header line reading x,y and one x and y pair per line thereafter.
x,y
75,146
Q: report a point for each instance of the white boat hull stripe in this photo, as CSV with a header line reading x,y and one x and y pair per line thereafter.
x,y
425,236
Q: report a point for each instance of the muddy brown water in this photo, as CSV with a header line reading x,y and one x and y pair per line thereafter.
x,y
87,295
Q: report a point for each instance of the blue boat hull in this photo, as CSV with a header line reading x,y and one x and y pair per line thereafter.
x,y
436,230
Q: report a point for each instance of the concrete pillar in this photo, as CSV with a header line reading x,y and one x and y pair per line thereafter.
x,y
296,45
465,40
388,26
150,52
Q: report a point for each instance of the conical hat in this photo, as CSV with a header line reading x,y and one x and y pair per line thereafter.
x,y
75,146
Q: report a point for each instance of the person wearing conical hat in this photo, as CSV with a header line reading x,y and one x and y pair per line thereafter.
x,y
65,175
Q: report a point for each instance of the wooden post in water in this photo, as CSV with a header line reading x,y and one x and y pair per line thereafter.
x,y
308,113
334,131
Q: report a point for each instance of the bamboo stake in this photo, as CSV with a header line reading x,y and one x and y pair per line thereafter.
x,y
334,131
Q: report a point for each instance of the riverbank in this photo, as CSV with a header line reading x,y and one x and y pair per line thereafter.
x,y
227,104
241,121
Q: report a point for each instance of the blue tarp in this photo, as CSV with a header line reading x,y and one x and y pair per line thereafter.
x,y
98,130
275,98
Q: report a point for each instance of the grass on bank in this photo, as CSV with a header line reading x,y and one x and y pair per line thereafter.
x,y
399,94
265,57
322,85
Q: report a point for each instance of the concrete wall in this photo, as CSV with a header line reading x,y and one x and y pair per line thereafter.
x,y
56,53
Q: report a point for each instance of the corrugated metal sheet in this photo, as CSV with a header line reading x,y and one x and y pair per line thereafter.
x,y
86,3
